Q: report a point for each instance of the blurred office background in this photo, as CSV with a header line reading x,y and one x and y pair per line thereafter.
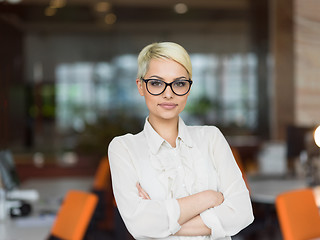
x,y
68,68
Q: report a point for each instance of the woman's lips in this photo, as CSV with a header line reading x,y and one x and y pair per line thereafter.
x,y
168,105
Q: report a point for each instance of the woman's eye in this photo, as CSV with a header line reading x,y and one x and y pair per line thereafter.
x,y
155,83
180,83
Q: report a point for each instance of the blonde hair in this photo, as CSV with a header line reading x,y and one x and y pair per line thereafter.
x,y
168,50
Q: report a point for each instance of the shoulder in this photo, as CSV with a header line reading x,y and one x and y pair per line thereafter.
x,y
126,140
205,135
204,131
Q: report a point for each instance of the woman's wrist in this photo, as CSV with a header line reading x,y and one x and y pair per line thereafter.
x,y
215,198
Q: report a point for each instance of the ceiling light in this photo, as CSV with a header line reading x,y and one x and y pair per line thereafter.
x,y
317,136
49,11
110,18
57,3
180,8
102,6
13,1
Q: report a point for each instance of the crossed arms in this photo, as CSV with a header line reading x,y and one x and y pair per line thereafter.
x,y
190,209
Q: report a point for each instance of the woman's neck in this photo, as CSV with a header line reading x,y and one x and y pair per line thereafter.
x,y
166,128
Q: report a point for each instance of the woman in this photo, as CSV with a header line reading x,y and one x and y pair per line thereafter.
x,y
173,181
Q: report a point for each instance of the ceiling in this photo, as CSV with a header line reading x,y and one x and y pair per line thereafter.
x,y
153,3
76,15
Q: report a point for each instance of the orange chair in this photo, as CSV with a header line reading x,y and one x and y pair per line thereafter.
x,y
102,176
110,219
74,216
104,213
298,214
238,159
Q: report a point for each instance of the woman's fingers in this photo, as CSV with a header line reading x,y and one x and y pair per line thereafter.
x,y
220,198
142,193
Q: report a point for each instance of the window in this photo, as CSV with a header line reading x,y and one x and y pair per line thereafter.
x,y
224,92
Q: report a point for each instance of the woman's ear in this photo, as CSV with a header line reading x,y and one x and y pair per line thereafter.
x,y
140,86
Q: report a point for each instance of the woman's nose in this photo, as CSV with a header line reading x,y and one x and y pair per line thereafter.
x,y
168,93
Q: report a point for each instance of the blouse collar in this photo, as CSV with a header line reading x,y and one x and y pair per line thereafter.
x,y
155,141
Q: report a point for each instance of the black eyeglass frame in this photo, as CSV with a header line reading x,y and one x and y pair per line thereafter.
x,y
167,84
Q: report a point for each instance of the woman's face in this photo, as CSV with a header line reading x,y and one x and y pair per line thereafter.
x,y
166,106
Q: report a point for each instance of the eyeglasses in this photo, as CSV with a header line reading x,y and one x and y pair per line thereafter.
x,y
156,87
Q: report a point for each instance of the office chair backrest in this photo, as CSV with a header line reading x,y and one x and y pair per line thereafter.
x,y
74,215
298,214
104,213
238,159
102,176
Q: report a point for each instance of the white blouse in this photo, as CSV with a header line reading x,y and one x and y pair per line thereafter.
x,y
201,160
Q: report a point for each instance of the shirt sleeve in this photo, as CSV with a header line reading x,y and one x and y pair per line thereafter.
x,y
235,213
143,218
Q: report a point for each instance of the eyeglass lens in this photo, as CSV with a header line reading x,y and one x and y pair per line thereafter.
x,y
179,87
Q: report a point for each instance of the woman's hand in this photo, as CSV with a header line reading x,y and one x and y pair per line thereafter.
x,y
219,198
142,193
193,205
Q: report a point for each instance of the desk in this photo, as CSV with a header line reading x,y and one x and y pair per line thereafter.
x,y
51,192
266,189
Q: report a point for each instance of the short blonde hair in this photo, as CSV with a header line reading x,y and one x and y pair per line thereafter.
x,y
168,50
